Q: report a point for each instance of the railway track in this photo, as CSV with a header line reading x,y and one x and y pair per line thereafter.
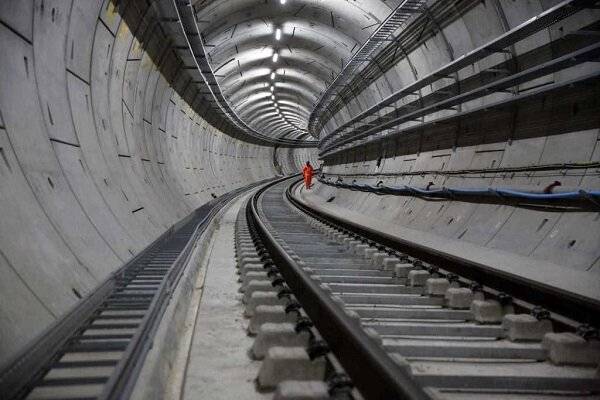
x,y
437,334
390,321
97,350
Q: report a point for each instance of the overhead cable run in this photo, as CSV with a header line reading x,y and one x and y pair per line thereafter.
x,y
193,38
382,34
449,97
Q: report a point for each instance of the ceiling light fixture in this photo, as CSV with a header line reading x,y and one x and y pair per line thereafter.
x,y
282,1
275,57
272,88
277,33
273,75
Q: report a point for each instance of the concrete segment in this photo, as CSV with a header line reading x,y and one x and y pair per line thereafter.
x,y
389,263
103,151
436,286
269,314
289,363
302,390
459,298
251,276
418,277
257,286
567,348
525,327
277,334
487,311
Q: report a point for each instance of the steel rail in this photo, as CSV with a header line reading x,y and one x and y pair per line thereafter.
x,y
397,17
520,32
23,372
193,37
373,372
563,303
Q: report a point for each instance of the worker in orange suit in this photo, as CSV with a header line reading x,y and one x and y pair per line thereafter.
x,y
308,172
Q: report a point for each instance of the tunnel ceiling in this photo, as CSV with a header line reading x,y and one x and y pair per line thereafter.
x,y
273,59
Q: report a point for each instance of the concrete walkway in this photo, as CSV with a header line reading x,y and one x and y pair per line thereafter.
x,y
218,365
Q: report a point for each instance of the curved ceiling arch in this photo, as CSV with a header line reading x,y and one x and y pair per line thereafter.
x,y
265,108
258,104
263,57
312,76
270,116
267,111
265,101
356,18
295,93
316,38
297,87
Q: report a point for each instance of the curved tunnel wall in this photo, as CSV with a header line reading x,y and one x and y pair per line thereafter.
x,y
551,130
292,160
99,155
567,238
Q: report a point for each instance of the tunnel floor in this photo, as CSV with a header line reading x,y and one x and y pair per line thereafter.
x,y
218,366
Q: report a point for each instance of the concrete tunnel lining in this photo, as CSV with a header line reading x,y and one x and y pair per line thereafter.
x,y
103,146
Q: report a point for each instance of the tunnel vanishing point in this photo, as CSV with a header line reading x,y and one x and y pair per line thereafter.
x,y
157,240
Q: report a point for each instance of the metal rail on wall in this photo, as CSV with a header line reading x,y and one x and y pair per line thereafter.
x,y
397,17
496,45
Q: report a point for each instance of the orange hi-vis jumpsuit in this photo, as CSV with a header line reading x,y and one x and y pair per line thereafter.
x,y
308,174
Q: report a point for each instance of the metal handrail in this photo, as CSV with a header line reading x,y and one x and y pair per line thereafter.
x,y
372,370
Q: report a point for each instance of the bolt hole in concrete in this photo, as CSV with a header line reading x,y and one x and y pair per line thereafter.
x,y
3,155
76,293
50,183
542,224
332,198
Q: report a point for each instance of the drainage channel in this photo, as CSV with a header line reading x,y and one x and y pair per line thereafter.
x,y
402,327
97,350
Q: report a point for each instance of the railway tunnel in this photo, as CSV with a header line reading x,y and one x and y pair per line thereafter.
x,y
156,240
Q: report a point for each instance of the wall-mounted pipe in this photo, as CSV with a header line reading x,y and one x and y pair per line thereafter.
x,y
563,201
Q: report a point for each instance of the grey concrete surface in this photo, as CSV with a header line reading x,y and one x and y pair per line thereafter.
x,y
219,366
563,238
102,146
581,283
99,154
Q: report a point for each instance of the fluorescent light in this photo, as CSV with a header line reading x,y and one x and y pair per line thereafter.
x,y
277,33
273,75
282,1
275,57
272,88
273,96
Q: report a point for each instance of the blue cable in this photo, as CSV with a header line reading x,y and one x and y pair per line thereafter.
x,y
491,192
